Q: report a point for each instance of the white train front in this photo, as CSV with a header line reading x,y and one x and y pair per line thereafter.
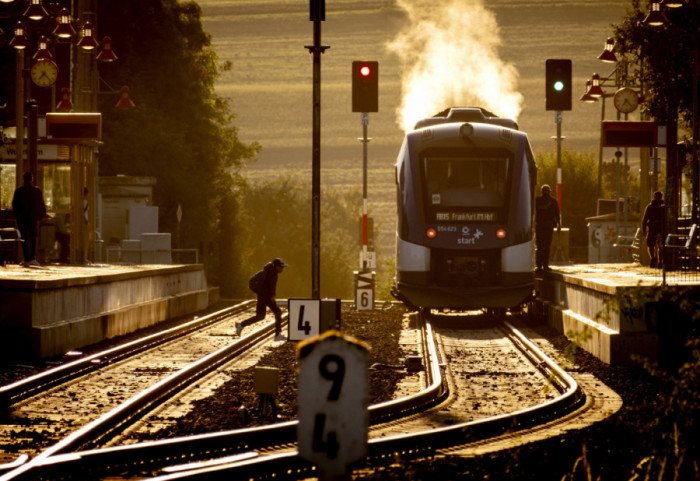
x,y
465,196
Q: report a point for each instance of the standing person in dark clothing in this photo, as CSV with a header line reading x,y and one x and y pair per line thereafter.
x,y
266,298
546,218
29,208
653,227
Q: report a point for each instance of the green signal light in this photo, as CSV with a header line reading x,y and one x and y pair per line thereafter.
x,y
558,85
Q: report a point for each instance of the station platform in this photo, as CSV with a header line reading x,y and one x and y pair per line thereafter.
x,y
50,309
618,312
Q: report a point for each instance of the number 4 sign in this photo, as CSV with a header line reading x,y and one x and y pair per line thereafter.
x,y
333,398
311,317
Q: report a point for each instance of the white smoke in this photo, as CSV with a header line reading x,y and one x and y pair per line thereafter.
x,y
449,58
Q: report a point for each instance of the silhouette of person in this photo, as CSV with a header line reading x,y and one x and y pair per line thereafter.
x,y
546,218
266,298
653,227
29,208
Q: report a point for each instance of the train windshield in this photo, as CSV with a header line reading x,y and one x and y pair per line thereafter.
x,y
466,182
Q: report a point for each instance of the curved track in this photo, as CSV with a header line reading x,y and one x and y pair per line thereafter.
x,y
435,418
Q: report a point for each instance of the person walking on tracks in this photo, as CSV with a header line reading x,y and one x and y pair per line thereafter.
x,y
653,227
264,284
546,218
29,208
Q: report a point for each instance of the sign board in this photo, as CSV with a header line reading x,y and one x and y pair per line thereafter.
x,y
333,398
311,317
43,152
368,259
630,134
77,126
364,290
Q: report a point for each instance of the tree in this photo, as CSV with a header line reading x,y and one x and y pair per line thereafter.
x,y
664,57
181,132
274,220
579,187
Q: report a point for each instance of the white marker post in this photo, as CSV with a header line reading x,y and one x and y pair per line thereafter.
x,y
333,399
311,317
364,290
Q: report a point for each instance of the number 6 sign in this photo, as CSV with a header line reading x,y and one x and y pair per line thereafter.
x,y
333,398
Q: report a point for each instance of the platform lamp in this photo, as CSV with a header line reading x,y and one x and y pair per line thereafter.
x,y
608,54
657,20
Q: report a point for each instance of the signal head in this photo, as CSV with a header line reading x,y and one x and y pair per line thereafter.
x,y
365,86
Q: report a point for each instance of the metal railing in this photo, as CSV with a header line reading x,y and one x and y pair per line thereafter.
x,y
682,256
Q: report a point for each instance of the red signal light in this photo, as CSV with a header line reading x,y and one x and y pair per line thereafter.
x,y
501,233
365,86
431,233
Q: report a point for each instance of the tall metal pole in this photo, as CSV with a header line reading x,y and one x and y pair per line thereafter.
x,y
19,127
365,141
317,14
558,117
696,131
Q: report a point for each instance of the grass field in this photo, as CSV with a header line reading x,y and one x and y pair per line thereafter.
x,y
270,85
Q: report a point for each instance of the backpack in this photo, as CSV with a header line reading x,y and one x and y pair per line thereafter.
x,y
255,283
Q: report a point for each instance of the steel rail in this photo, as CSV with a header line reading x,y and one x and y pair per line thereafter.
x,y
126,413
29,386
415,445
59,463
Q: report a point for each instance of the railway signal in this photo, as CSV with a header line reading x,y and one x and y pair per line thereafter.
x,y
365,86
558,84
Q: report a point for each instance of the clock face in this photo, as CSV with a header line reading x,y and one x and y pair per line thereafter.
x,y
44,73
626,100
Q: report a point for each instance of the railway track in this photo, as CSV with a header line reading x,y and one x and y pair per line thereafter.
x,y
441,416
85,402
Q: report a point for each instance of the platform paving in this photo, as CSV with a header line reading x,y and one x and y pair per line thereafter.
x,y
50,309
611,310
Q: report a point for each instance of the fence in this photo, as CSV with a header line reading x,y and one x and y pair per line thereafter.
x,y
681,256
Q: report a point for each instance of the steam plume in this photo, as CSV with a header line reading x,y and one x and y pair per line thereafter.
x,y
449,58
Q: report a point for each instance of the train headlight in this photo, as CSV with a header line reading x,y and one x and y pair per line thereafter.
x,y
501,233
466,130
431,233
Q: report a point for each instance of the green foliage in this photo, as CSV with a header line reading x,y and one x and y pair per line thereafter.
x,y
670,429
274,220
579,189
180,131
664,52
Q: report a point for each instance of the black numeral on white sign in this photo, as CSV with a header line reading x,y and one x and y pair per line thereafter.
x,y
329,445
303,324
336,374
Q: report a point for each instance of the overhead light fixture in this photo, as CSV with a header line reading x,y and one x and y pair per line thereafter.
x,y
65,104
608,54
587,97
107,54
595,90
42,51
35,11
19,41
87,40
672,3
64,29
125,99
656,18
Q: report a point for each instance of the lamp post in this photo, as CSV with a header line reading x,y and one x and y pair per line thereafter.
x,y
594,92
34,26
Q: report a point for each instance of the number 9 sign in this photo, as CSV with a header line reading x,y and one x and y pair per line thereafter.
x,y
333,398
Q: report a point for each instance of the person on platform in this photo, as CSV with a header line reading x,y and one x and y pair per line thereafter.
x,y
266,288
29,208
653,227
546,218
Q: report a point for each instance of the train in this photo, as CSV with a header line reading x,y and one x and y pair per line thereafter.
x,y
465,184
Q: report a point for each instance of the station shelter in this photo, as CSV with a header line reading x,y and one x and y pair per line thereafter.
x,y
67,148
